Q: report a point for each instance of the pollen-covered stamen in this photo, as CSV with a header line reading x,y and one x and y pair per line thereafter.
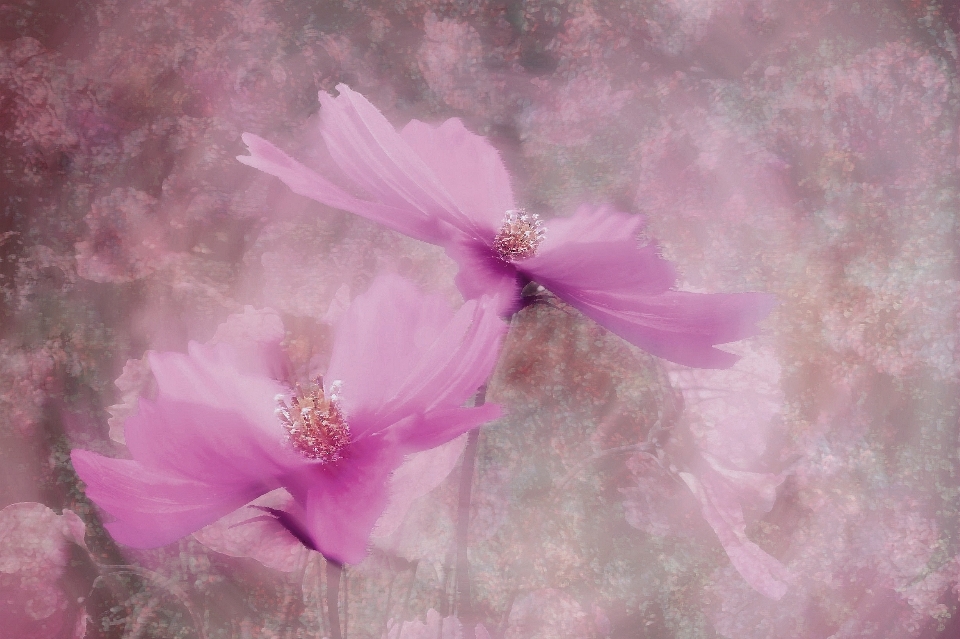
x,y
519,236
314,422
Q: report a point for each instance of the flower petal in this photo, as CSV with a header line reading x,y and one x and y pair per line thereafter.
x,y
344,500
376,341
419,357
599,249
208,375
723,512
468,166
304,181
452,368
153,507
372,154
482,273
594,262
255,337
248,532
206,444
420,473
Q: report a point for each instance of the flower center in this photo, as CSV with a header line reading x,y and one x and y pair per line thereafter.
x,y
314,423
519,236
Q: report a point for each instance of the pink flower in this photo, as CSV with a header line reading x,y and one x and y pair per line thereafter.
x,y
224,431
449,187
35,547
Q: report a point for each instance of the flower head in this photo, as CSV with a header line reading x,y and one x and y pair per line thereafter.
x,y
224,429
448,186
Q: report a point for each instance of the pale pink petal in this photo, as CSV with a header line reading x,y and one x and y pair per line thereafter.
x,y
624,288
208,375
249,532
152,507
372,154
304,181
377,341
134,380
207,444
74,528
468,166
420,473
254,338
723,512
754,490
418,357
450,369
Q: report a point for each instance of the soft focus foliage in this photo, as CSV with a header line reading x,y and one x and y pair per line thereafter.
x,y
807,148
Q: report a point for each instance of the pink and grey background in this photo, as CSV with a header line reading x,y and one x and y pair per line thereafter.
x,y
802,147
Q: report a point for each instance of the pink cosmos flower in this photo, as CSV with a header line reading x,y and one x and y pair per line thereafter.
x,y
224,430
449,187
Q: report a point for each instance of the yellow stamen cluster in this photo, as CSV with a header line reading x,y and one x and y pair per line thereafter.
x,y
519,236
314,423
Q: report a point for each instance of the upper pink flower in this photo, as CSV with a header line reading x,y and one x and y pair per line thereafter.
x,y
224,430
448,186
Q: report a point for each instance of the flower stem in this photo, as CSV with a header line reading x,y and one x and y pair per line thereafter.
x,y
463,605
334,571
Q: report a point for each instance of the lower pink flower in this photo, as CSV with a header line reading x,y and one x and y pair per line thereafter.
x,y
224,429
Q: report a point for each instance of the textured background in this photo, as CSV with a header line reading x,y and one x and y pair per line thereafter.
x,y
804,147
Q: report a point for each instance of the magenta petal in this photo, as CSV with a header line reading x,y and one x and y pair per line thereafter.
x,y
598,249
371,153
344,501
154,508
678,326
304,181
482,273
594,262
468,167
